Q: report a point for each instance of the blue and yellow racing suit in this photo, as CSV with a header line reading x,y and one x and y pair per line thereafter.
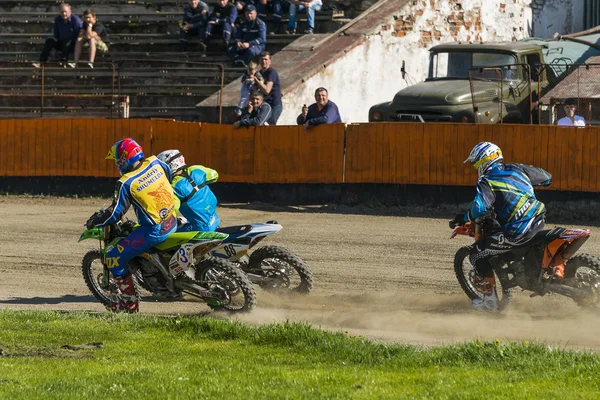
x,y
196,202
508,190
147,188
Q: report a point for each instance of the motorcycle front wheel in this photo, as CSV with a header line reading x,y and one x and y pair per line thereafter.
x,y
465,274
97,278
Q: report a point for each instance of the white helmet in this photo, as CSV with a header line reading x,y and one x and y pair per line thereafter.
x,y
173,158
484,155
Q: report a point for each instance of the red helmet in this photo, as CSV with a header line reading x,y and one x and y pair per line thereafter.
x,y
126,153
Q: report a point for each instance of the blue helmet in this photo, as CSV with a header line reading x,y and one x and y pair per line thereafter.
x,y
126,153
484,155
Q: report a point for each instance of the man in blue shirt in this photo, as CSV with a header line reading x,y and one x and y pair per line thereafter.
x,y
251,38
270,86
66,30
324,111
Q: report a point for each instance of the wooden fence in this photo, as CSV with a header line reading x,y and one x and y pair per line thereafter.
x,y
396,153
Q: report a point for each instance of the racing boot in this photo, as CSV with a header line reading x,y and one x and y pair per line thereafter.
x,y
129,301
487,286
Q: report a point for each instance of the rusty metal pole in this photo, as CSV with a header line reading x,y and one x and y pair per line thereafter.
x,y
43,88
221,93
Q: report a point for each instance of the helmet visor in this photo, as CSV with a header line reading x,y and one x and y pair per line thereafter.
x,y
112,153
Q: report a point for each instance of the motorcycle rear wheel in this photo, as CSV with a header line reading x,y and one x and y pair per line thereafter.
x,y
223,276
583,272
465,273
272,260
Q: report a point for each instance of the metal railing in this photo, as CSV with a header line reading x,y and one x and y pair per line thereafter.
x,y
133,87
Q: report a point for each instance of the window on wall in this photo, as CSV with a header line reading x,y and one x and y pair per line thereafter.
x,y
591,14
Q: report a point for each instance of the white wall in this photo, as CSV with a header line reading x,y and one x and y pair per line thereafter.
x,y
370,73
557,16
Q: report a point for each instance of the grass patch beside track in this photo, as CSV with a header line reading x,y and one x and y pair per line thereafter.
x,y
78,355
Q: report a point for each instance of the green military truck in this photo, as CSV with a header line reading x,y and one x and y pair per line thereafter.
x,y
484,82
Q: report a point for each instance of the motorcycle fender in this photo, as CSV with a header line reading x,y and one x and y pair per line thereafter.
x,y
94,233
563,247
551,251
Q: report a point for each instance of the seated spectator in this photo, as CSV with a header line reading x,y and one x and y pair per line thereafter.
x,y
257,113
276,7
249,80
270,87
66,30
251,38
93,35
195,19
222,20
324,111
311,6
571,119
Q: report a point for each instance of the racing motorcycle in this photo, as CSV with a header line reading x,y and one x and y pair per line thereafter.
x,y
273,268
531,267
179,265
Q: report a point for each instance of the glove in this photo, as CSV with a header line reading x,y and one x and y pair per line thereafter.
x,y
458,220
93,220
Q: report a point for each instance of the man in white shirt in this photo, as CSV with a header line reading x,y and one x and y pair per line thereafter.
x,y
571,119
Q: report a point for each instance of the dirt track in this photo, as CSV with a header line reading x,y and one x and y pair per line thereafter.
x,y
385,277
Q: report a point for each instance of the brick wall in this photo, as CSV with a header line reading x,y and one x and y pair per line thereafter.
x,y
437,21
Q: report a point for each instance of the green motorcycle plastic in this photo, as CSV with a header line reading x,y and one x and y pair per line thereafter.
x,y
178,266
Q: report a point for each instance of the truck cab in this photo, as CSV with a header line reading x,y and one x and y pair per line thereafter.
x,y
471,82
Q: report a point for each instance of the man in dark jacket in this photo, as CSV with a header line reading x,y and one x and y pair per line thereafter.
x,y
258,112
251,38
195,19
66,30
324,111
222,20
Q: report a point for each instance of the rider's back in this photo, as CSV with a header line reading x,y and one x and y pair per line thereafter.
x,y
151,193
198,207
508,188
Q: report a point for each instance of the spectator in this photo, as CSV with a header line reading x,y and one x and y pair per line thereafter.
x,y
571,119
195,19
323,111
66,30
93,35
270,87
311,6
222,19
249,82
251,38
276,8
257,113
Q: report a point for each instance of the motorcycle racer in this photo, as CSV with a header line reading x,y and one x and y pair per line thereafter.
x,y
507,189
144,184
195,201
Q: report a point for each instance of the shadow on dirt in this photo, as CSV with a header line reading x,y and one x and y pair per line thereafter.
x,y
49,300
581,212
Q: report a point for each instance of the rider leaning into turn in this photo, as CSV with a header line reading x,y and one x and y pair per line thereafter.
x,y
507,189
144,184
195,201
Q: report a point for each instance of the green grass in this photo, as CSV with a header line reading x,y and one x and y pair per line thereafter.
x,y
153,357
